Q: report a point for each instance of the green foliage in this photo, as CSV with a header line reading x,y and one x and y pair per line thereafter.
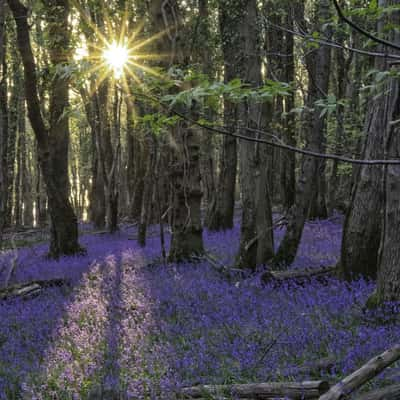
x,y
329,104
157,122
208,94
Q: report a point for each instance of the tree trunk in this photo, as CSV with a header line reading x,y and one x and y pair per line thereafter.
x,y
12,147
318,65
288,175
3,120
388,269
223,205
52,143
207,161
388,287
26,183
256,207
187,238
363,223
148,189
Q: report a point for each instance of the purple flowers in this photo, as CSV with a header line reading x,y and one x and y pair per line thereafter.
x,y
144,331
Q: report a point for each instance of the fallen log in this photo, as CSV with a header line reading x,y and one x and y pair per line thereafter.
x,y
318,366
369,370
29,289
388,393
293,390
298,275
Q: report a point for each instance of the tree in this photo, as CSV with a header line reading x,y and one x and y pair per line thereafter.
x,y
3,119
53,141
388,287
187,239
363,224
318,68
223,206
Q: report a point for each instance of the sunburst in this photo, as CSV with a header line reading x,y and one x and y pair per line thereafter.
x,y
119,54
116,56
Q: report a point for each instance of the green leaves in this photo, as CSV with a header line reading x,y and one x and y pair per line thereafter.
x,y
329,105
157,123
208,94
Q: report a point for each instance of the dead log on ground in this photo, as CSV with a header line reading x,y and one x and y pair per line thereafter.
x,y
388,393
294,390
369,370
318,366
29,289
300,276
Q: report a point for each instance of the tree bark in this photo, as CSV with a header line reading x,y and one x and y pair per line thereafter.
x,y
207,146
369,370
363,224
387,393
293,390
3,120
223,205
187,238
52,142
388,287
318,65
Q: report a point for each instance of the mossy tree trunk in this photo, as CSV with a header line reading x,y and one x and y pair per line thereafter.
x,y
187,232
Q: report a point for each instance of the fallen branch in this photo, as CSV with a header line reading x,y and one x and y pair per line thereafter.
x,y
369,370
220,267
293,390
297,275
29,289
388,393
316,367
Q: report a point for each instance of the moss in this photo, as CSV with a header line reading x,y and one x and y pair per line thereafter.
x,y
373,301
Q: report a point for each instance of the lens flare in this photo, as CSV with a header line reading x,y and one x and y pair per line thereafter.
x,y
116,56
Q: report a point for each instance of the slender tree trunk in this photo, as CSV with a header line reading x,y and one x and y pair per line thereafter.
x,y
288,167
12,147
3,120
148,188
256,240
26,183
207,161
41,197
318,65
223,205
17,206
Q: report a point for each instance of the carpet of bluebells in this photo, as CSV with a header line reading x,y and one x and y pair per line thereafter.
x,y
129,325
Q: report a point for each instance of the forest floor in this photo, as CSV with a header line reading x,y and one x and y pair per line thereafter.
x,y
125,322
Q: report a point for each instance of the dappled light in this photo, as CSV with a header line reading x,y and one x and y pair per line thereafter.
x,y
199,199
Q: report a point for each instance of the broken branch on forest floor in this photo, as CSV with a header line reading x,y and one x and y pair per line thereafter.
x,y
30,289
391,392
316,367
297,275
273,390
369,370
218,266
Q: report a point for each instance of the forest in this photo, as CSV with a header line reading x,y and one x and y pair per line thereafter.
x,y
199,199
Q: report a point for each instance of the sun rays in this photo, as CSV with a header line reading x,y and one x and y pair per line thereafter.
x,y
117,50
116,57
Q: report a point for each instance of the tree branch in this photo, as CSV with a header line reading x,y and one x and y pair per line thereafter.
x,y
268,142
363,31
